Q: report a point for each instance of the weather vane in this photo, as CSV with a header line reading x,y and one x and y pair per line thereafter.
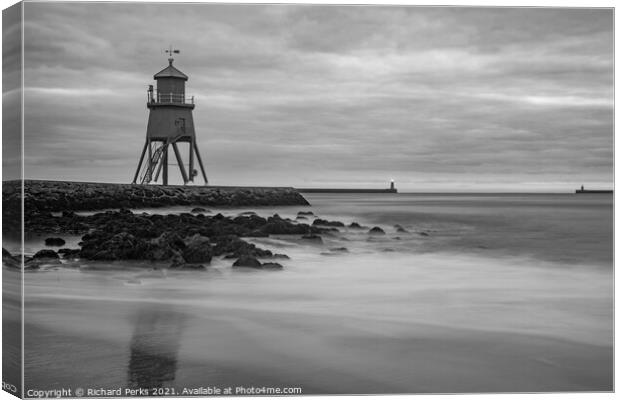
x,y
171,51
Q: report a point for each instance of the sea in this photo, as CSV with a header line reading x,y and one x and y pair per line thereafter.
x,y
481,293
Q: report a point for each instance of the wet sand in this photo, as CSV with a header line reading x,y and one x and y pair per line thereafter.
x,y
322,355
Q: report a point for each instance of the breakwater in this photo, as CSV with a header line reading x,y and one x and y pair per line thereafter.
x,y
578,191
54,196
338,190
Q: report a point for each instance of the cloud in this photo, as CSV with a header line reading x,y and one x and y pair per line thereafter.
x,y
329,95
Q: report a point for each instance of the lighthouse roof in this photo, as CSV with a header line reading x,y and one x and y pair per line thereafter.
x,y
170,72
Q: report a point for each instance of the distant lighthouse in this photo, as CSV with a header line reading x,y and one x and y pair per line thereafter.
x,y
170,124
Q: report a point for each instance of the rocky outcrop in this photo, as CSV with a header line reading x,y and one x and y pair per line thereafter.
x,y
45,254
54,241
8,260
247,262
186,240
324,222
376,231
251,262
197,249
400,229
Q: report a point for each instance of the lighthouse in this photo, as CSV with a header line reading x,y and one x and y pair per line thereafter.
x,y
170,129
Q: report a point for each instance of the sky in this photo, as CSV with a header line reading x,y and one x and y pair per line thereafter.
x,y
438,99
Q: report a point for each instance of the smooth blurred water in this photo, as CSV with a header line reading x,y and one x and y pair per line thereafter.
x,y
506,293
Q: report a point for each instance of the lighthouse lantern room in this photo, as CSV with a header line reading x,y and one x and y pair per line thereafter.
x,y
170,124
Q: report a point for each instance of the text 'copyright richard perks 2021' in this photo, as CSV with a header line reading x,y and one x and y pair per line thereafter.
x,y
162,391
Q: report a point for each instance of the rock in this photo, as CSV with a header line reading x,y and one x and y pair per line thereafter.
x,y
399,228
197,249
102,245
300,217
198,210
283,256
355,225
45,254
54,241
247,262
272,266
40,258
69,253
376,231
278,226
187,266
247,213
312,237
339,249
9,261
423,234
165,247
324,222
302,213
234,247
123,235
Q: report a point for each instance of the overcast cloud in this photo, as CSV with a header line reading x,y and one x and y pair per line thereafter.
x,y
435,98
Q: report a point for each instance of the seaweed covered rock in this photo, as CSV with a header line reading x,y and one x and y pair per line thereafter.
x,y
101,245
197,249
324,222
45,254
69,253
271,266
233,247
188,267
55,241
8,260
313,238
400,229
247,262
278,226
376,231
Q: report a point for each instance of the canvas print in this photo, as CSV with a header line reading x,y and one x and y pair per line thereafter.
x,y
297,199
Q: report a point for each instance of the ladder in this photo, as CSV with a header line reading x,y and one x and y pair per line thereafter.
x,y
146,175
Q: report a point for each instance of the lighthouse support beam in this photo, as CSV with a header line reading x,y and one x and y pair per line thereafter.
x,y
181,166
164,179
151,167
191,160
135,177
202,168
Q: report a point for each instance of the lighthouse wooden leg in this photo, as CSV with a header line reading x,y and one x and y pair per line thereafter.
x,y
165,166
135,177
202,168
191,160
181,166
149,171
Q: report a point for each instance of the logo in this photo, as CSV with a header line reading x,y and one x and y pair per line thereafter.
x,y
8,387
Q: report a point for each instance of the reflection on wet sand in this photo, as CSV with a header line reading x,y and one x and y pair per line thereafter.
x,y
154,347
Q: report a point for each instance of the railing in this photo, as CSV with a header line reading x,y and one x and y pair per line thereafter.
x,y
157,97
